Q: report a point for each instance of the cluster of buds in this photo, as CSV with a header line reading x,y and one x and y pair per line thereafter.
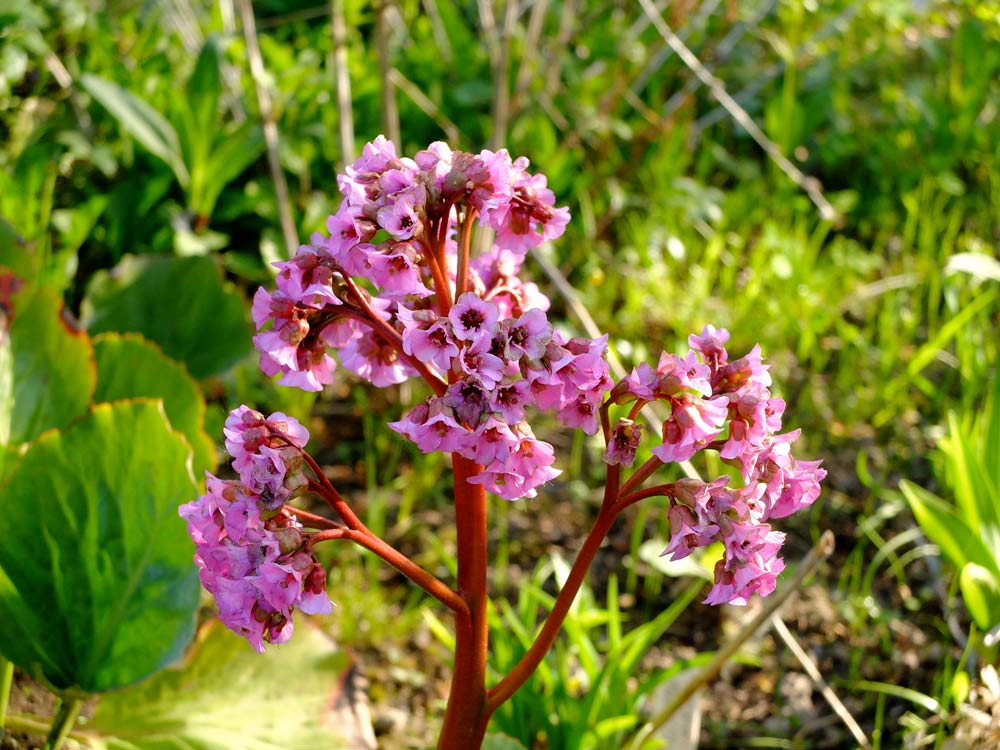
x,y
252,553
724,405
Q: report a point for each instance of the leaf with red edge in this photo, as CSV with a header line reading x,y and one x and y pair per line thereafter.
x,y
47,372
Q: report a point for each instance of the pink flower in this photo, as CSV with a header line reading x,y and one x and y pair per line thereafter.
x,y
712,346
622,443
475,359
676,375
528,335
395,270
493,440
686,533
427,337
432,427
247,430
694,422
400,218
373,359
472,317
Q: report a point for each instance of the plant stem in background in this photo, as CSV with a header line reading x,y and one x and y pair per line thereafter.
x,y
501,86
69,709
810,185
270,128
341,74
6,681
390,112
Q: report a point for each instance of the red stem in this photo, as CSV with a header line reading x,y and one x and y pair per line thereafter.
x,y
517,676
466,716
311,519
464,247
395,558
641,475
659,490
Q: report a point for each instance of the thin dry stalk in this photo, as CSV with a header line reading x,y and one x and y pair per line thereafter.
x,y
810,185
813,671
488,23
501,86
390,111
439,30
531,49
720,54
342,78
269,125
429,108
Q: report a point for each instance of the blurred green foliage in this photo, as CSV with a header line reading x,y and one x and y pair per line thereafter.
x,y
132,128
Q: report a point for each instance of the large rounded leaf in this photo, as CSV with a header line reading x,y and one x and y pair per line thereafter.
x,y
97,584
293,697
46,368
129,366
182,304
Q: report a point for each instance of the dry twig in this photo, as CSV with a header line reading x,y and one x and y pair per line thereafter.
x,y
810,185
269,125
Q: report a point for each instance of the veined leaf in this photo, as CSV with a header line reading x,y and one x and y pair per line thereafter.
x,y
183,304
46,368
128,366
97,586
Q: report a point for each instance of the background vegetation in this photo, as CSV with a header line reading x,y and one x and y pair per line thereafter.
x,y
157,156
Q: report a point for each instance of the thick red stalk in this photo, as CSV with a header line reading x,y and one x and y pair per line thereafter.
x,y
465,717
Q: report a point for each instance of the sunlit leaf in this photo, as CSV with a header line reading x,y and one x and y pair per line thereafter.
x,y
947,530
129,366
227,695
46,368
981,593
97,584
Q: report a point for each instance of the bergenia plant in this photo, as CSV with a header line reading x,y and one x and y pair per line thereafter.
x,y
394,292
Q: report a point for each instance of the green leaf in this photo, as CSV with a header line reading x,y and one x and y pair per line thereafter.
x,y
182,304
97,585
229,696
947,530
967,476
14,252
129,366
203,88
141,121
48,369
991,441
230,156
981,594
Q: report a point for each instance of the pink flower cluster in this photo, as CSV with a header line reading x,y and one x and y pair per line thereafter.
x,y
396,214
378,291
251,552
498,367
706,392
